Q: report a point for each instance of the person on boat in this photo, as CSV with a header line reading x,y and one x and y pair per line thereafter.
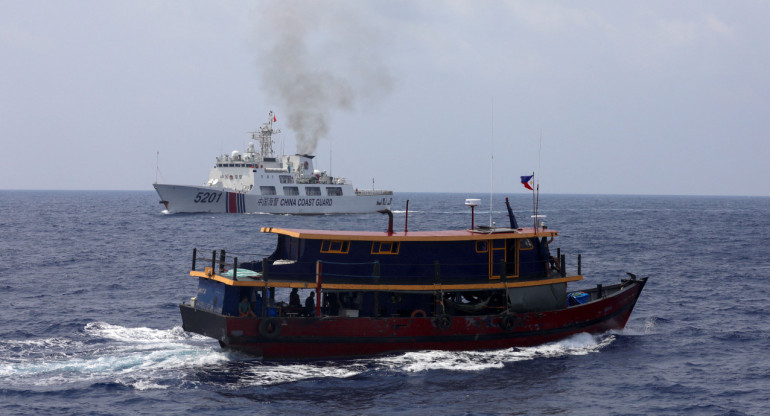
x,y
256,301
295,304
244,308
310,304
294,298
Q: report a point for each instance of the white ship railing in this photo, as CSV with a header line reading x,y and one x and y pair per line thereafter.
x,y
365,192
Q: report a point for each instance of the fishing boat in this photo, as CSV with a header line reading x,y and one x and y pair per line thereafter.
x,y
388,291
258,181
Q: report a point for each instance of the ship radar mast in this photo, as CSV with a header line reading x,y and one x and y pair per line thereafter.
x,y
265,136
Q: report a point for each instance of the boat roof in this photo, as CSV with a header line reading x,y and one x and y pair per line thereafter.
x,y
481,233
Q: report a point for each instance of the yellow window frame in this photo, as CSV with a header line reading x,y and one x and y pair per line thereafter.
x,y
335,246
385,247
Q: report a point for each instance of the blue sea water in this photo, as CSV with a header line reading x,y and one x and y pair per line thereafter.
x,y
90,283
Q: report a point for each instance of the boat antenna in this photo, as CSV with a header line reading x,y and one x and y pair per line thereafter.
x,y
157,165
537,181
491,156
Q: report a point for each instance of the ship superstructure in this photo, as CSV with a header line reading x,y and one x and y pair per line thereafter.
x,y
258,181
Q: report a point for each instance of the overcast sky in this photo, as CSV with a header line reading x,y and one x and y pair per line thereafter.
x,y
652,97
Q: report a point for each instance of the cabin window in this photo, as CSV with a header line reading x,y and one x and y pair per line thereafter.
x,y
267,190
525,244
290,190
334,191
481,246
312,191
512,259
286,178
385,247
335,246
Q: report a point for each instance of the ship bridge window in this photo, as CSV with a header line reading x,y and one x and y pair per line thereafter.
x,y
335,246
290,190
525,244
267,190
286,178
312,191
385,247
334,191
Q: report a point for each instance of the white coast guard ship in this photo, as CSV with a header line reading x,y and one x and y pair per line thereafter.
x,y
257,181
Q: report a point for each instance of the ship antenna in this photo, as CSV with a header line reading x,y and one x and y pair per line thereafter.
x,y
157,165
537,181
491,157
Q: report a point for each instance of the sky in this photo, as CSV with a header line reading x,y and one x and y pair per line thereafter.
x,y
595,97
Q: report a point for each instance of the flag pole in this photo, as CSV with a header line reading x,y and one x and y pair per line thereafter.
x,y
534,204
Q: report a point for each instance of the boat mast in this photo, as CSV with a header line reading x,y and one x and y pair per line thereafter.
x,y
265,134
491,157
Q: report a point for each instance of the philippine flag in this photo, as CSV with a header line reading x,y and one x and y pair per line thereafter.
x,y
525,181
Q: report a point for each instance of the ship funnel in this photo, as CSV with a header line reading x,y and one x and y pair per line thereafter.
x,y
390,219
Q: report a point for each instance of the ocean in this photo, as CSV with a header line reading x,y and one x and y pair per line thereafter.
x,y
90,283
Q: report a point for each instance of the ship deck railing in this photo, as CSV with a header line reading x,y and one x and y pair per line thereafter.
x,y
371,192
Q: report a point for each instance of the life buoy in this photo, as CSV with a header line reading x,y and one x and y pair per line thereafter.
x,y
419,312
508,321
443,321
270,328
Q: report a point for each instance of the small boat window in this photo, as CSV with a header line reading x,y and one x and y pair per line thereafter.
x,y
286,178
334,191
290,190
385,247
267,190
335,246
481,246
525,244
312,191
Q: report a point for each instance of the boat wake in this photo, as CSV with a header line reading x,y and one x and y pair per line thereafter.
x,y
145,358
580,344
141,358
261,373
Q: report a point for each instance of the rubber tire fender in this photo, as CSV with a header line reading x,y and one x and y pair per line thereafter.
x,y
270,328
443,321
508,321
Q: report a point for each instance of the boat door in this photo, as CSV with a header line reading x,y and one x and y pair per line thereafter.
x,y
496,257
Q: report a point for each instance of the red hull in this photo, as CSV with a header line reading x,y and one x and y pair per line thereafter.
x,y
335,337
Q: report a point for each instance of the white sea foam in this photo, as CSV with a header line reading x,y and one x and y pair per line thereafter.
x,y
132,356
287,373
412,362
579,344
144,357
